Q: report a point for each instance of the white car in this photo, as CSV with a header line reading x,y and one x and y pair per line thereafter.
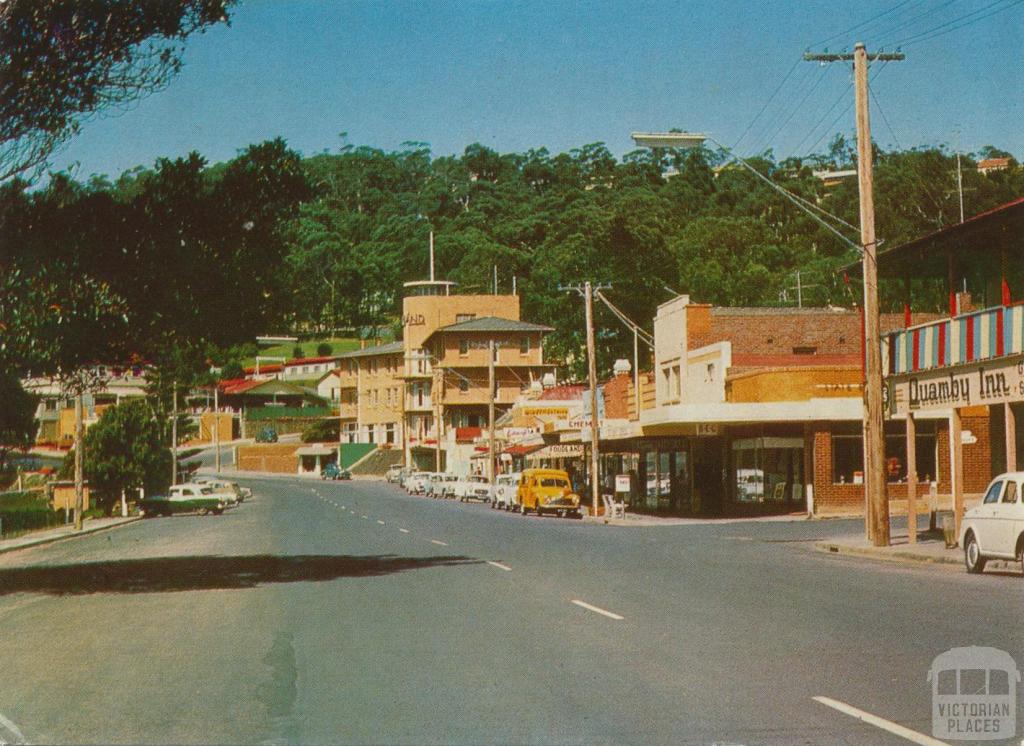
x,y
473,487
231,492
446,487
995,529
505,486
416,483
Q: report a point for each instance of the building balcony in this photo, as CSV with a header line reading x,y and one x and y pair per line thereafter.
x,y
988,334
415,405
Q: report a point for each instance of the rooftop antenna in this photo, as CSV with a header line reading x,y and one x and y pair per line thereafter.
x,y
431,256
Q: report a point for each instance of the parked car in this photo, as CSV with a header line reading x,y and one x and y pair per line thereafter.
x,y
547,491
333,471
232,492
434,485
266,435
183,498
505,486
448,485
393,473
473,487
995,529
416,483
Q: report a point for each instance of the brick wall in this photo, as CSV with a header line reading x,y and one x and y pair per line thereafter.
x,y
617,393
849,498
273,457
778,331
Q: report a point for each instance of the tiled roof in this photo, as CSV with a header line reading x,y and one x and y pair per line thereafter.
x,y
273,368
391,348
565,392
494,324
238,385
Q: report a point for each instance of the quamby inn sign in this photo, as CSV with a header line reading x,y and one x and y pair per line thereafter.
x,y
987,382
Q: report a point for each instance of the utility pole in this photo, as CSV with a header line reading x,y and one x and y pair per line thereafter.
x,y
587,290
490,412
435,395
960,185
877,499
216,425
79,447
174,435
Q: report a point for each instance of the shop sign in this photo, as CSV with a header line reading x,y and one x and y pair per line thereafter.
x,y
545,411
518,433
708,429
414,319
622,483
557,450
984,383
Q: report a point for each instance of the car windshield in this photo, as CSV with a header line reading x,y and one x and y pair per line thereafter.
x,y
553,482
206,490
478,479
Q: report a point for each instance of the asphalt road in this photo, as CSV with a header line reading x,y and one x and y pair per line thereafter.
x,y
352,613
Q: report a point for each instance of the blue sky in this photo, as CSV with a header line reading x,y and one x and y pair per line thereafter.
x,y
562,74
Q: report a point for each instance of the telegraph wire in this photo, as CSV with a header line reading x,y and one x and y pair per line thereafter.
x,y
878,105
766,103
892,30
924,35
777,116
861,24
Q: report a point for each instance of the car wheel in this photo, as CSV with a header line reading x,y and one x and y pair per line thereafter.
x,y
1020,552
204,511
972,555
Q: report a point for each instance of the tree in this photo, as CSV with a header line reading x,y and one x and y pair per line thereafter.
x,y
323,349
17,419
64,60
124,451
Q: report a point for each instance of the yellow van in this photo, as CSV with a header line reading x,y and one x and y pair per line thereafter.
x,y
547,491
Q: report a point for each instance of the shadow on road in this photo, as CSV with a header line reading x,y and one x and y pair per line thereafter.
x,y
171,574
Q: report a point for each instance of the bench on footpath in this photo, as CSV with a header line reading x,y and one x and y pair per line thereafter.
x,y
613,508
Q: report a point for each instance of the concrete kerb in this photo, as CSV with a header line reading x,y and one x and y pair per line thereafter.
x,y
61,533
927,551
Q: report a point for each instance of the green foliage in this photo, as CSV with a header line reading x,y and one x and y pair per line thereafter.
x,y
124,451
297,351
324,349
26,511
64,60
283,413
322,431
17,418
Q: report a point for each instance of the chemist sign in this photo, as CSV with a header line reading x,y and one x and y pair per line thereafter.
x,y
989,382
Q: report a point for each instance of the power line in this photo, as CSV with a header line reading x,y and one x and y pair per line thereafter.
x,y
766,103
924,35
843,96
862,23
891,31
885,119
775,118
845,110
796,108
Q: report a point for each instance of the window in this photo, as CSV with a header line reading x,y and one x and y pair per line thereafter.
x,y
848,452
463,385
992,496
1010,496
524,345
305,369
460,317
463,347
805,350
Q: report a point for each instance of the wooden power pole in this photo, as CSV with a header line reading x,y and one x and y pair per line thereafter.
x,y
79,448
874,428
595,488
490,414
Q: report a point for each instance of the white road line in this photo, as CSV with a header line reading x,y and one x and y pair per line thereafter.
x,y
404,530
439,543
13,729
381,522
500,566
598,610
366,517
867,717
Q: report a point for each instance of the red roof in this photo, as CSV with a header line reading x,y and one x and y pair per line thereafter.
x,y
274,368
994,163
310,360
565,392
521,450
238,385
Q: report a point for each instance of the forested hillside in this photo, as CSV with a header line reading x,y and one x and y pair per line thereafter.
x,y
274,242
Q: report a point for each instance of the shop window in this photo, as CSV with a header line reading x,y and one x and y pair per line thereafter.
x,y
896,451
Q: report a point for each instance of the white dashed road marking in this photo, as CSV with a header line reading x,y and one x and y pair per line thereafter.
x,y
381,522
19,737
404,530
439,543
598,610
499,566
894,728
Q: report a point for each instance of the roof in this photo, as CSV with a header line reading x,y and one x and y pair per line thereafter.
x,y
311,360
238,385
271,368
494,324
391,348
993,163
265,388
979,239
564,392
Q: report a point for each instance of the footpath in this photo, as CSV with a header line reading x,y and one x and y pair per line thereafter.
x,y
59,533
930,548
